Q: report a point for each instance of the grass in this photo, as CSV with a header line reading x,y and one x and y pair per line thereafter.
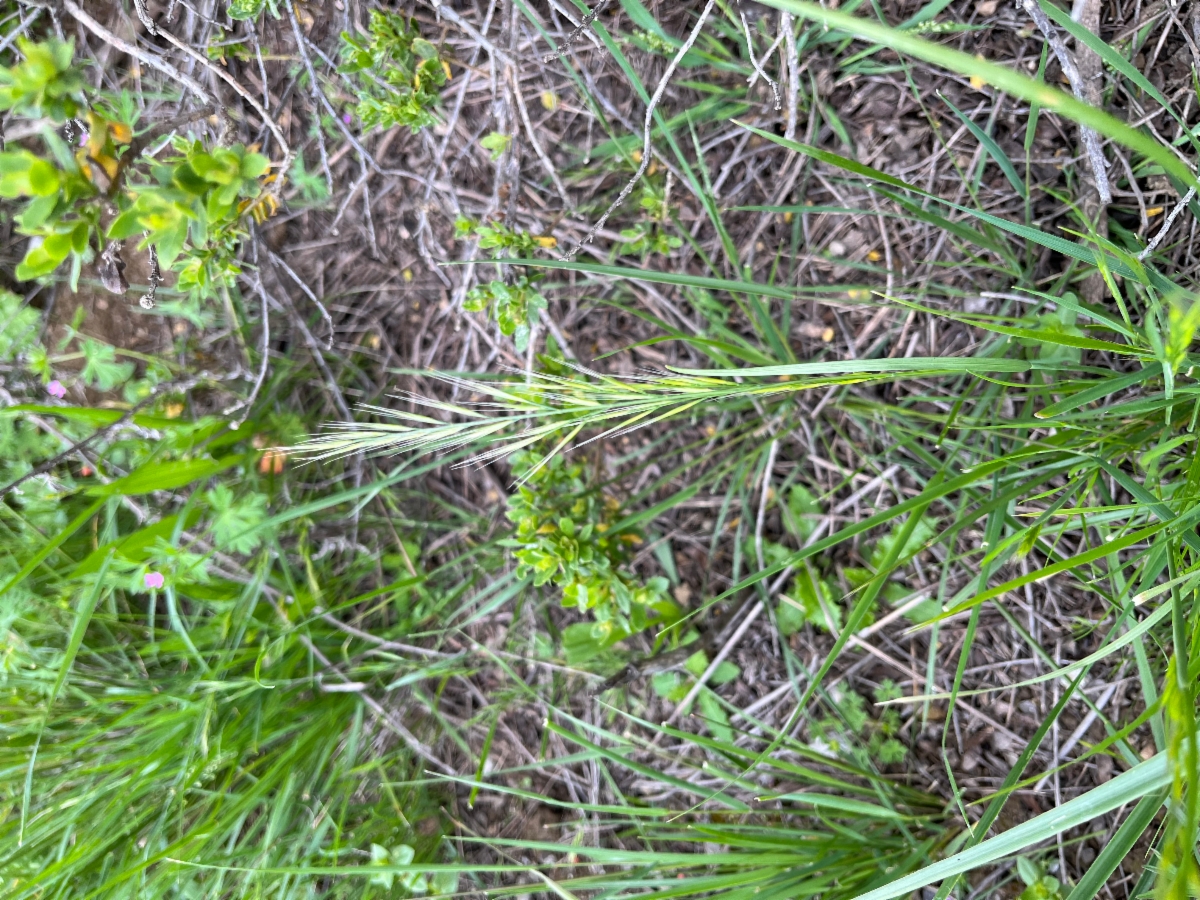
x,y
288,715
184,742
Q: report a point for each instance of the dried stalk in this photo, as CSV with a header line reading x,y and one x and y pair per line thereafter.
x,y
648,129
1162,232
762,73
561,49
1091,141
125,47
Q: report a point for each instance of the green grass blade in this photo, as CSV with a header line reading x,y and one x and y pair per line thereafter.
x,y
53,544
938,364
1118,846
1148,777
83,616
1099,391
695,281
998,76
990,145
166,476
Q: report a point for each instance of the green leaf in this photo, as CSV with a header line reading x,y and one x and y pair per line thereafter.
x,y
668,685
37,262
496,143
1028,871
1103,388
922,532
245,9
37,212
125,225
724,673
990,145
714,715
44,179
254,165
165,476
424,49
790,616
801,512
98,418
234,520
443,883
813,600
381,857
1145,778
100,366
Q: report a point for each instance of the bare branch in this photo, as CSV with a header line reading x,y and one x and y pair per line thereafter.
x,y
762,73
1162,232
124,46
648,129
1091,141
561,49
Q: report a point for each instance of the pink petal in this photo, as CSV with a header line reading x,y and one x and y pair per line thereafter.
x,y
154,580
55,389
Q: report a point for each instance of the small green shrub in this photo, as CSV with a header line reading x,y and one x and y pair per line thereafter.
x,y
818,590
397,71
187,205
1038,884
650,236
45,84
514,304
414,884
567,535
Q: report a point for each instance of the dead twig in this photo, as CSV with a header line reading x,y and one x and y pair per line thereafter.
x,y
144,14
1091,141
561,49
147,299
534,143
762,73
648,129
1162,232
787,25
141,56
315,88
308,292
